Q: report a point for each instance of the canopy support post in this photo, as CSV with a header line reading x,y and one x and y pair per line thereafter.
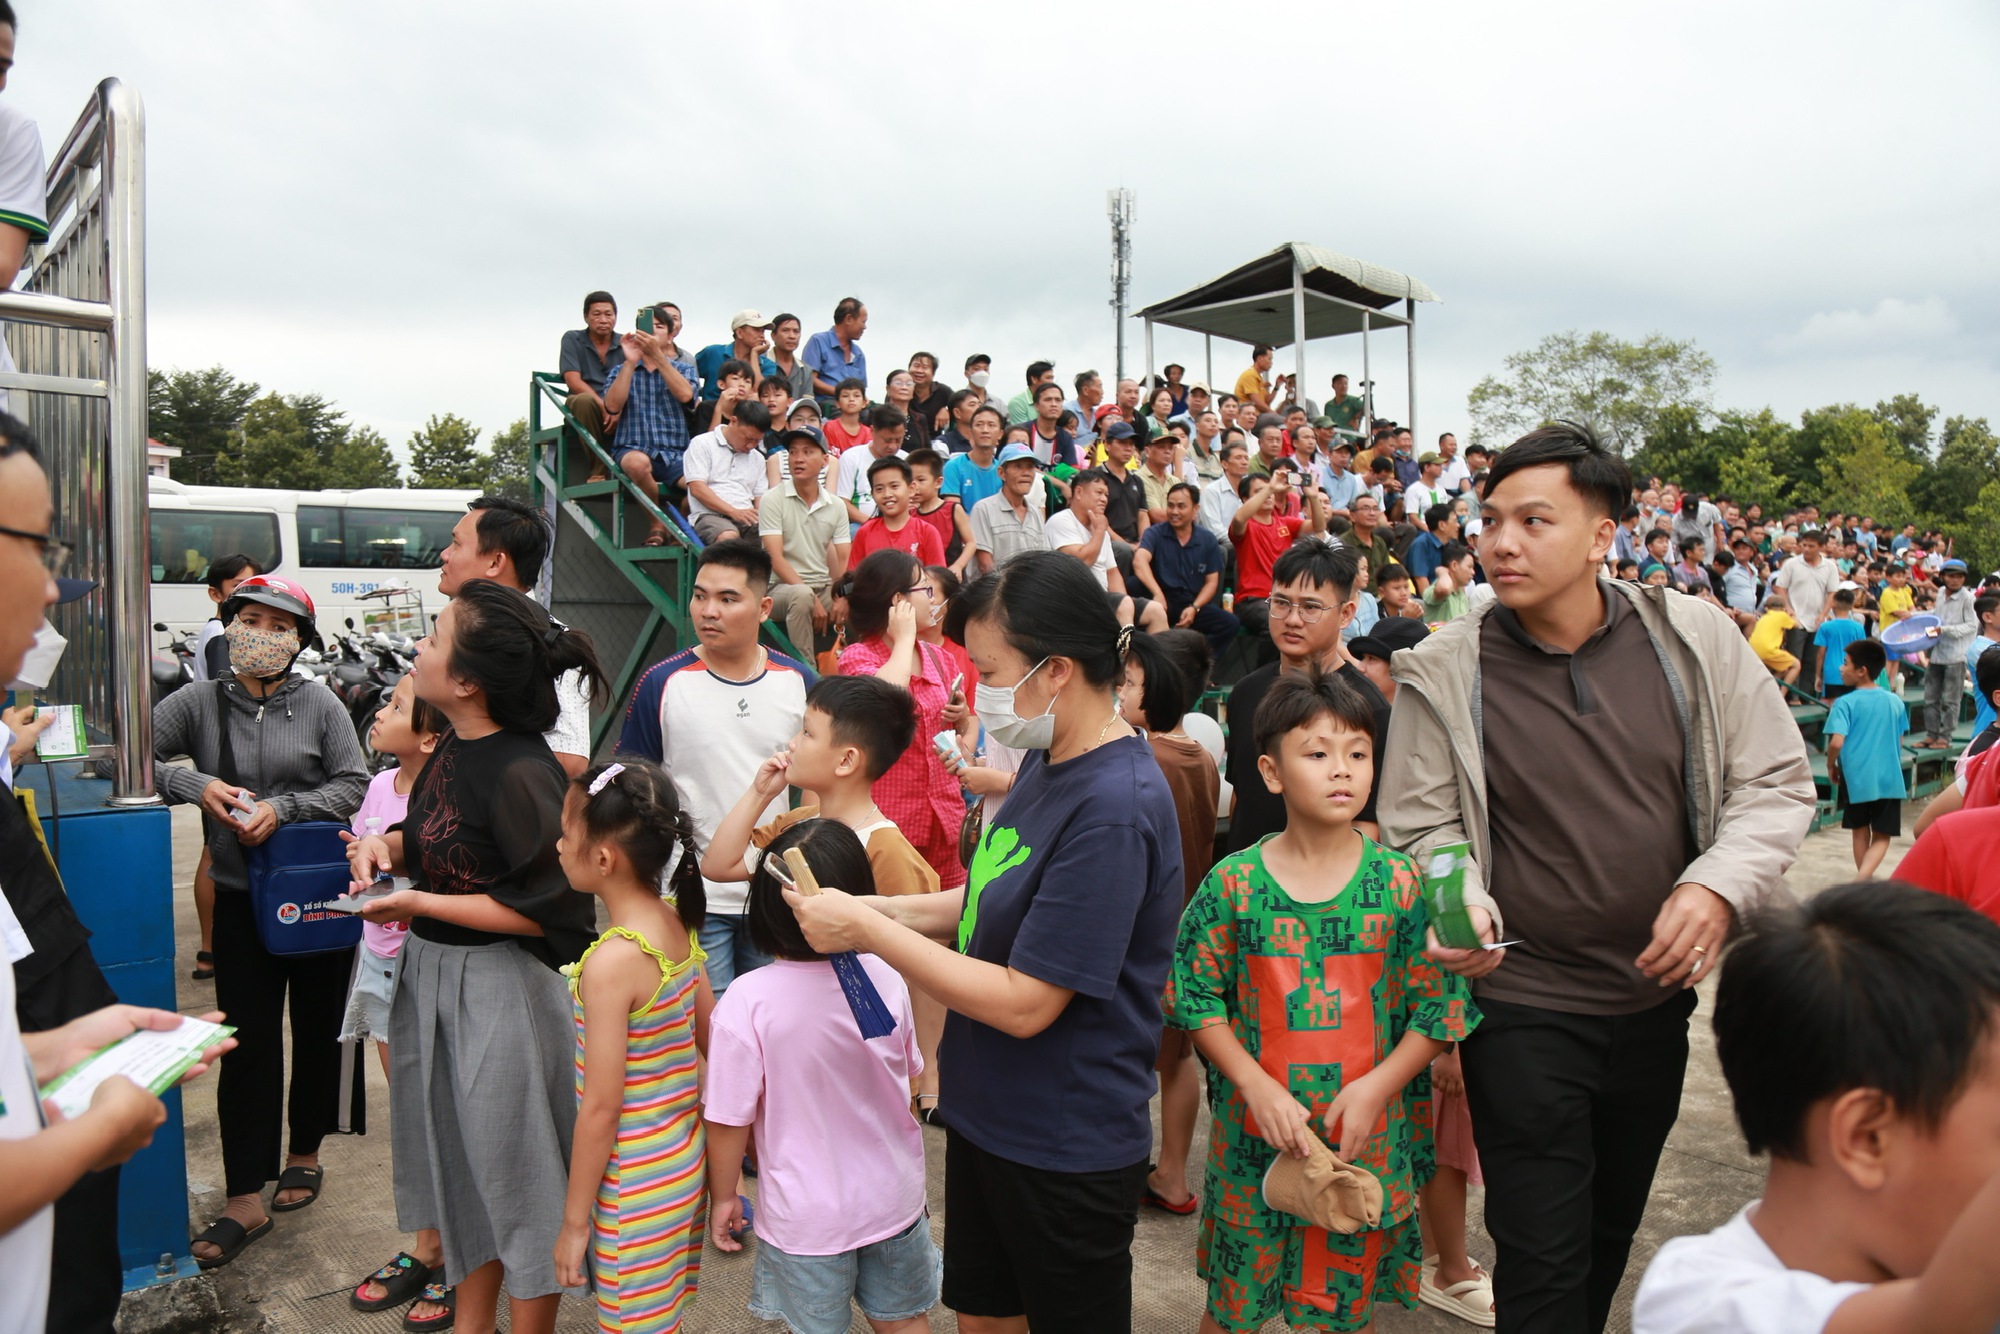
x,y
1149,361
1367,380
1410,337
1208,364
1298,332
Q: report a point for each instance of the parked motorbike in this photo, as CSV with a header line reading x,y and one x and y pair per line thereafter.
x,y
363,671
173,662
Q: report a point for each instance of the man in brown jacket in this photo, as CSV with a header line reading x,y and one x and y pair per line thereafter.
x,y
1629,784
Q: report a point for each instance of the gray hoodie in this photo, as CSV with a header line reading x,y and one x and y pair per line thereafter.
x,y
296,750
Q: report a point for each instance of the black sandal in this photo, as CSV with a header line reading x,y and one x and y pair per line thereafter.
x,y
232,1237
298,1178
204,966
437,1294
402,1279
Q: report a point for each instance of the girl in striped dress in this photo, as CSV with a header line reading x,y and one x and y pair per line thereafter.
x,y
636,1201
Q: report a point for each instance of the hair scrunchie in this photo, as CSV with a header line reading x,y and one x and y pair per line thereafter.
x,y
1124,640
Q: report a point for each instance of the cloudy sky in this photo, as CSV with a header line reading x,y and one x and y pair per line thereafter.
x,y
400,206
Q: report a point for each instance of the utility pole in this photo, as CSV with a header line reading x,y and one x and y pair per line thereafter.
x,y
1119,205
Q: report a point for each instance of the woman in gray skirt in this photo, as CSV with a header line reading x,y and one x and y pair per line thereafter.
x,y
481,1041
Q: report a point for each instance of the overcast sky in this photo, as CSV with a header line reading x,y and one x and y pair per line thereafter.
x,y
401,206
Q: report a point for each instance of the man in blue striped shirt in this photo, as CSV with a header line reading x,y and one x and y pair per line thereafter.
x,y
649,392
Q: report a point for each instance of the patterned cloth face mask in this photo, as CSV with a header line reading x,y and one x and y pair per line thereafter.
x,y
260,653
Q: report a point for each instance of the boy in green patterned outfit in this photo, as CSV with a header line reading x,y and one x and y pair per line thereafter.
x,y
1300,968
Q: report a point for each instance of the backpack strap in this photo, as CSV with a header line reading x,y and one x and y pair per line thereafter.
x,y
225,751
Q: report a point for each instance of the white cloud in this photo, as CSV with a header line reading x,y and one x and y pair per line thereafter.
x,y
1894,324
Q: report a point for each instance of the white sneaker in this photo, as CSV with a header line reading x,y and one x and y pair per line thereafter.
x,y
1471,1301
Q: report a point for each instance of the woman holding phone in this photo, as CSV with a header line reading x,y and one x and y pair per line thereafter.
x,y
1063,935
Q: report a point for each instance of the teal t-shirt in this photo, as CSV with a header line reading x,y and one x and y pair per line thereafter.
x,y
1834,636
1871,758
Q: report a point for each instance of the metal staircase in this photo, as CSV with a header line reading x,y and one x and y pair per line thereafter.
x,y
630,598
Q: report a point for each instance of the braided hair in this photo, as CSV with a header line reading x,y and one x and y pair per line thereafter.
x,y
633,806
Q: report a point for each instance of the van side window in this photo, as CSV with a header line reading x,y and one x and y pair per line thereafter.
x,y
319,538
185,541
385,539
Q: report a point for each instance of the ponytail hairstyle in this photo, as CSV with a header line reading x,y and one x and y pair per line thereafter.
x,y
837,858
632,805
504,643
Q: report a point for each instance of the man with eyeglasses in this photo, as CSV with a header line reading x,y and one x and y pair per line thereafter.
x,y
1312,600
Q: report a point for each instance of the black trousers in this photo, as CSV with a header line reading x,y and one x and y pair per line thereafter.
x,y
251,987
1570,1112
1211,620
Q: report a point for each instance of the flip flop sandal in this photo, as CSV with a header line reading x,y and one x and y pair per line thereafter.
x,y
437,1294
1152,1199
401,1280
204,966
748,1222
232,1237
298,1178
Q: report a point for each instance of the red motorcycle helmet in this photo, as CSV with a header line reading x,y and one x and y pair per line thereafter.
x,y
286,596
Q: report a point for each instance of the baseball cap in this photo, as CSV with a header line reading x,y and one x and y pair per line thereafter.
x,y
1017,453
1429,457
809,434
799,403
1389,635
69,590
1321,423
1198,385
1107,410
748,319
1118,430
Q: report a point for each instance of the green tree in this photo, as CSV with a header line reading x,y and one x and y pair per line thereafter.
x,y
1756,452
197,412
1908,420
273,450
1679,449
1864,469
362,458
1616,387
445,453
1976,539
1968,458
508,462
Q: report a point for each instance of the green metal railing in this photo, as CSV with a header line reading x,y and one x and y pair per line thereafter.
x,y
616,515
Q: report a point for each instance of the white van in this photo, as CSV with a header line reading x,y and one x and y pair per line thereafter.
x,y
339,544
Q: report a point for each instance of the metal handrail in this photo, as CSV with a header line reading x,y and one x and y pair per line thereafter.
x,y
100,172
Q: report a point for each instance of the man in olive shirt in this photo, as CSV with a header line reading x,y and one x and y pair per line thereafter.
x,y
1628,783
1370,535
804,531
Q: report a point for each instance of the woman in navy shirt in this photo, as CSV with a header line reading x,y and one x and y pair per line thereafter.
x,y
1051,962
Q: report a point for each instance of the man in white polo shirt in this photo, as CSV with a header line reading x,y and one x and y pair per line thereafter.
x,y
724,475
710,715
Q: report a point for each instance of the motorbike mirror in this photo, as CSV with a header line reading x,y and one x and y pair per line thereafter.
x,y
350,622
159,625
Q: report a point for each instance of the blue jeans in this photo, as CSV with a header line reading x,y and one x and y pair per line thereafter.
x,y
729,951
892,1279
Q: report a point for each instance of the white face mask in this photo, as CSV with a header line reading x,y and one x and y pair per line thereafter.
x,y
38,664
995,707
979,379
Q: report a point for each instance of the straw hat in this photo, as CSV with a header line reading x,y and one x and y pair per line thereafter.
x,y
1324,1191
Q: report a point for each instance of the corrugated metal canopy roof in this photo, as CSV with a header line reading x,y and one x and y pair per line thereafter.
x,y
1253,302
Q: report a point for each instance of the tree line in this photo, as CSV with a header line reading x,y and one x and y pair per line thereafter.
x,y
233,432
1900,461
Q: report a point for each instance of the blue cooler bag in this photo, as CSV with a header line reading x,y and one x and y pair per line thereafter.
x,y
293,874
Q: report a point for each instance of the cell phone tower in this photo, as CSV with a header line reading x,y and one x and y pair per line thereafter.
x,y
1118,203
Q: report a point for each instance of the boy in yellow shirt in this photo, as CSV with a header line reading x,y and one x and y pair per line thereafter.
x,y
1767,640
1892,605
